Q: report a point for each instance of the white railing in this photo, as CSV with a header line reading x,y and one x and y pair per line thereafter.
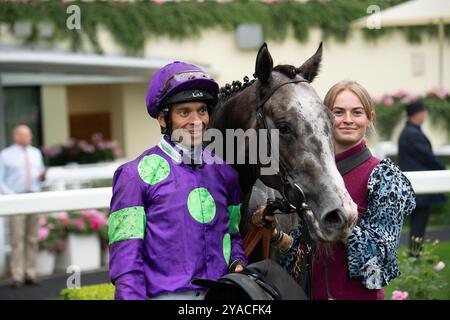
x,y
76,176
53,201
388,148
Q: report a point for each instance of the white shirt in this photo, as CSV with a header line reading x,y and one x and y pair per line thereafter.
x,y
13,172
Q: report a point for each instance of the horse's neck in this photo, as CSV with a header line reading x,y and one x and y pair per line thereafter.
x,y
246,178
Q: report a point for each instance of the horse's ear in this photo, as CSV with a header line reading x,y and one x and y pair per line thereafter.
x,y
264,64
310,68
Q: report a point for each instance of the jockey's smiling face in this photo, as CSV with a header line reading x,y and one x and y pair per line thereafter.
x,y
350,119
192,118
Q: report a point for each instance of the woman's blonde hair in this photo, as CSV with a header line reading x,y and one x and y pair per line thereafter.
x,y
358,90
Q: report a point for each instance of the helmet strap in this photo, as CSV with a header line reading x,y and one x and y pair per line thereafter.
x,y
168,128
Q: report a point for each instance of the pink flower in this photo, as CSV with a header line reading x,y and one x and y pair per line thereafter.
x,y
387,100
439,266
101,145
440,92
70,143
97,137
112,144
86,147
118,152
95,224
43,233
399,295
80,224
52,151
96,218
411,98
400,93
63,217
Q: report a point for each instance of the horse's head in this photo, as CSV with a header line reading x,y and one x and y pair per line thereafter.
x,y
306,155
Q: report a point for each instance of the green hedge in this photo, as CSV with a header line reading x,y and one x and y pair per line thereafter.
x,y
131,23
94,292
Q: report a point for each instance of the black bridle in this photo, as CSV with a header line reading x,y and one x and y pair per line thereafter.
x,y
290,191
293,196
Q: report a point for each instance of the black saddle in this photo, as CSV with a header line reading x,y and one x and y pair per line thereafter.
x,y
263,280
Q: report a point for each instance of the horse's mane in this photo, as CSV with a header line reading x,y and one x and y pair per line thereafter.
x,y
229,90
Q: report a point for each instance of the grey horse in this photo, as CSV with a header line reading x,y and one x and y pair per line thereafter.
x,y
290,107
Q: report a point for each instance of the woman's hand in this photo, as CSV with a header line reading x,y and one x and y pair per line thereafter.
x,y
258,220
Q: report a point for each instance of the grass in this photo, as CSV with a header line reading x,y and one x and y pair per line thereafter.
x,y
443,251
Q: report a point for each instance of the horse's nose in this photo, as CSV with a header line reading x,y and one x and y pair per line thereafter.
x,y
333,220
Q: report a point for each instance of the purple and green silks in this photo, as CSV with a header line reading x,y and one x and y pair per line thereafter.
x,y
170,222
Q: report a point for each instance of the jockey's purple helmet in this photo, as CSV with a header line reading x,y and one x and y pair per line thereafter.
x,y
179,82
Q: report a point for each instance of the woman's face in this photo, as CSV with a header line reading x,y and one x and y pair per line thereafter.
x,y
350,120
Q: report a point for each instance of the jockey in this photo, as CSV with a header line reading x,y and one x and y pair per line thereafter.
x,y
172,218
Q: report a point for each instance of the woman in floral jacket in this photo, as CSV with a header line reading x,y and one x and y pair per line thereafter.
x,y
360,266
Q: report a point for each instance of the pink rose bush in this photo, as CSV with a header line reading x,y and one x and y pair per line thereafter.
x,y
420,278
50,234
96,150
389,108
54,228
88,221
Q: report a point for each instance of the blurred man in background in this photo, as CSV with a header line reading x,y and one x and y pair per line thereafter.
x,y
415,154
21,171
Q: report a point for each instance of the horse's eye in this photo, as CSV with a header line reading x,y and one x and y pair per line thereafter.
x,y
284,128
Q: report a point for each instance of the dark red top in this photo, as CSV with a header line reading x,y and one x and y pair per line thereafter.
x,y
340,283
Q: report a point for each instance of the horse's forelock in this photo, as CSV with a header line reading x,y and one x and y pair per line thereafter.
x,y
286,69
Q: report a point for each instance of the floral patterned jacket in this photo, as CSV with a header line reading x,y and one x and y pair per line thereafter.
x,y
373,243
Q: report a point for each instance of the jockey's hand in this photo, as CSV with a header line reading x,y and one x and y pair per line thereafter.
x,y
257,218
236,266
239,268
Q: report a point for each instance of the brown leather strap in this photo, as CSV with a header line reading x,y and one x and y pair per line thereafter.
x,y
251,239
254,236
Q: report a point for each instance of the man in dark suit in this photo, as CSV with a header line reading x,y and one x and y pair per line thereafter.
x,y
415,154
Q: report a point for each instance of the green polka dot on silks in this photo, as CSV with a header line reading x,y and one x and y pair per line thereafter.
x,y
226,249
153,169
201,205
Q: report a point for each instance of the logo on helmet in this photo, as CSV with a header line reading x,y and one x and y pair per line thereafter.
x,y
197,94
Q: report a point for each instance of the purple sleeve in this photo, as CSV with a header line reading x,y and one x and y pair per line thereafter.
x,y
126,265
126,270
237,250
